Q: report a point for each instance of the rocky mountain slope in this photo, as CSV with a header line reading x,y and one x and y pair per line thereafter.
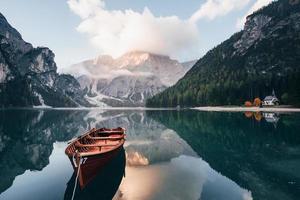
x,y
262,57
128,80
28,76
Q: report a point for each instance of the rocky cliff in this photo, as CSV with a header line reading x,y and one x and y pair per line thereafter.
x,y
28,76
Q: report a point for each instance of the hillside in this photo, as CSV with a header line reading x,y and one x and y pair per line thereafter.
x,y
28,75
264,56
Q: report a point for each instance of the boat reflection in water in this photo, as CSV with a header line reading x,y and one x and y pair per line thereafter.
x,y
101,182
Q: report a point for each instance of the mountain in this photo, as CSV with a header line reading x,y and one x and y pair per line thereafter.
x,y
128,80
264,56
28,76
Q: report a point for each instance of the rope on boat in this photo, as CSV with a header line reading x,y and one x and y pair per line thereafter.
x,y
76,179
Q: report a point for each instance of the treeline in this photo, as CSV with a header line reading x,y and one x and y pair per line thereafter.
x,y
229,88
225,76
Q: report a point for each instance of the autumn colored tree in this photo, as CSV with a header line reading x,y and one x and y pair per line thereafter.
x,y
248,104
257,102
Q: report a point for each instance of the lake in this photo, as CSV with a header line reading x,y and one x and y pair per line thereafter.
x,y
167,155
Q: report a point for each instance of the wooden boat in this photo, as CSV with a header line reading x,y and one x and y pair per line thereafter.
x,y
94,150
104,185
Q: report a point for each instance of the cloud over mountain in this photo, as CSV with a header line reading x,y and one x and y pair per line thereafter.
x,y
216,8
116,32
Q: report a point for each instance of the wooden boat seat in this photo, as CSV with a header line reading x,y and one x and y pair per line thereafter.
x,y
105,138
103,132
78,144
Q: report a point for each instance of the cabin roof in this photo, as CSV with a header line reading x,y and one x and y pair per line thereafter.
x,y
270,98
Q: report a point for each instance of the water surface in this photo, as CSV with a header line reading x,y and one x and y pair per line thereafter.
x,y
169,155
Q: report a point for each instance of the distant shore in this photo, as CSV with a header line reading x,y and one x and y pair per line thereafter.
x,y
83,108
205,108
245,109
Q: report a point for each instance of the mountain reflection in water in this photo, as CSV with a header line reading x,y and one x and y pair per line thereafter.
x,y
162,154
183,177
253,153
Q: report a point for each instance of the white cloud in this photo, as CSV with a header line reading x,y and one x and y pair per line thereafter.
x,y
85,8
256,6
216,8
116,32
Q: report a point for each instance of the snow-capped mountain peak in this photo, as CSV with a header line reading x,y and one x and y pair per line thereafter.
x,y
133,58
131,78
103,60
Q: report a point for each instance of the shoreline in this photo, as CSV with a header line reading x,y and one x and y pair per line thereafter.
x,y
204,108
245,109
84,108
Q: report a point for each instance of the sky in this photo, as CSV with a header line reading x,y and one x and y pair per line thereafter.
x,y
77,30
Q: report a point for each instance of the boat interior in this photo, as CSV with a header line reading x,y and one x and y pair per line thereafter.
x,y
97,141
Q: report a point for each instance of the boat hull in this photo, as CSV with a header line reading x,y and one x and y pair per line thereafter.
x,y
93,150
90,165
105,182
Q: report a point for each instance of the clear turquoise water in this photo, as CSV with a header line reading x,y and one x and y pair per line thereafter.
x,y
169,155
